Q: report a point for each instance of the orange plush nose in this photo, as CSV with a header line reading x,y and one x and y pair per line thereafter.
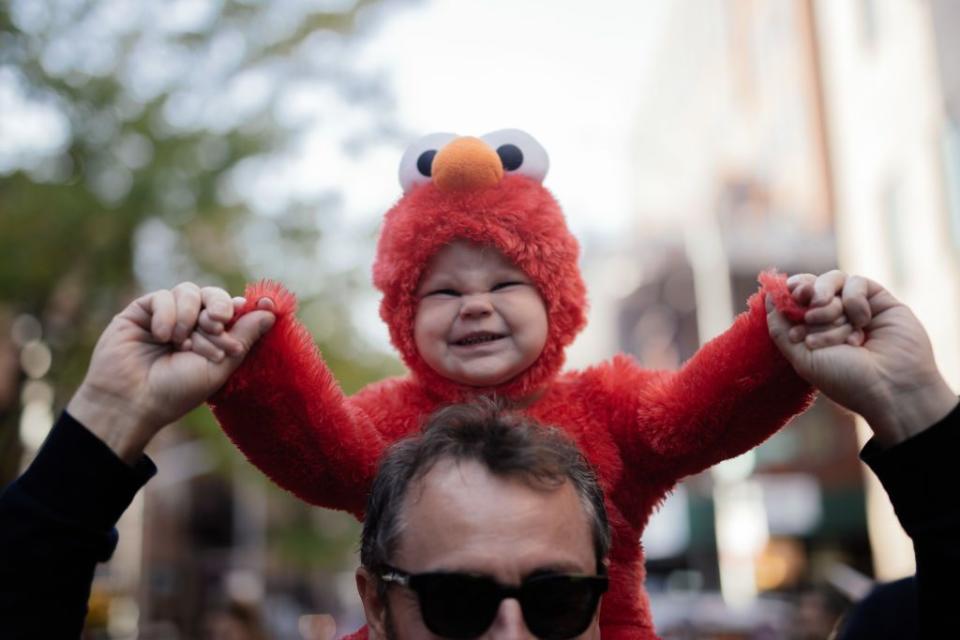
x,y
466,163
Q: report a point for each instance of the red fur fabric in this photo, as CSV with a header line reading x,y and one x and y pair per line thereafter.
x,y
643,430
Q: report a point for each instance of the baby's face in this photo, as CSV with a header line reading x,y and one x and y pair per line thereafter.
x,y
480,320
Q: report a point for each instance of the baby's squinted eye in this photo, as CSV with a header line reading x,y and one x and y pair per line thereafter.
x,y
443,292
504,285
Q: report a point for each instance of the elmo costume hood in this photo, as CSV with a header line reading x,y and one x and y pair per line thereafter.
x,y
642,430
474,194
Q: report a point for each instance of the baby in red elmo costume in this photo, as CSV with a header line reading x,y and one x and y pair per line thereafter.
x,y
482,294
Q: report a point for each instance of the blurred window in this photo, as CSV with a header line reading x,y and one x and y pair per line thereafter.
x,y
951,172
869,23
891,207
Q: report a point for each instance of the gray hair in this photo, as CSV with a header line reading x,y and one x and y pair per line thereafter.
x,y
505,443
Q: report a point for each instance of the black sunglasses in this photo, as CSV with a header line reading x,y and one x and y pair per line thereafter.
x,y
556,606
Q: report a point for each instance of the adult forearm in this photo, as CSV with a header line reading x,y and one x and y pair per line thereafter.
x,y
918,475
56,524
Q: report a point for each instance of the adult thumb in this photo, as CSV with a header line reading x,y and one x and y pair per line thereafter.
x,y
779,328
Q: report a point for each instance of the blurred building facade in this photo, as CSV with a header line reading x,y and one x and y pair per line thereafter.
x,y
804,135
209,541
894,157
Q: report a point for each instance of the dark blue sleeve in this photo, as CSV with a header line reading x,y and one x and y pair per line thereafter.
x,y
919,476
56,523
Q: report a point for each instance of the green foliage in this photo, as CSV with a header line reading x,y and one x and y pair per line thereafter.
x,y
316,539
126,138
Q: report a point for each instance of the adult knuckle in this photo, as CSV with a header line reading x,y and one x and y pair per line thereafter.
x,y
187,288
211,291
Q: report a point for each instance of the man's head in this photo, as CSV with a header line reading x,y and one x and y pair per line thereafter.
x,y
483,498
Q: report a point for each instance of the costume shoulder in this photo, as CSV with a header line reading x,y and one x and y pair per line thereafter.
x,y
396,405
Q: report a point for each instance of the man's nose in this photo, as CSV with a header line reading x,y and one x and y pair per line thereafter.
x,y
476,305
509,624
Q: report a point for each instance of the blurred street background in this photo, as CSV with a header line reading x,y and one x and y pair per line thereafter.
x,y
693,143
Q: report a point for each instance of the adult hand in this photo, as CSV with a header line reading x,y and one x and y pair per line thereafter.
x,y
143,374
883,368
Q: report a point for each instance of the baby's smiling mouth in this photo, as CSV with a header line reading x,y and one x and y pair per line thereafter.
x,y
477,337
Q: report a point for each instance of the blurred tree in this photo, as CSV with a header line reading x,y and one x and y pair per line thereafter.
x,y
126,132
145,143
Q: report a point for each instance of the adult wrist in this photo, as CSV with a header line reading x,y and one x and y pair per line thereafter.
x,y
115,421
909,413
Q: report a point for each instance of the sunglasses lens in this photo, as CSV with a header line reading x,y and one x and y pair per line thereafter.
x,y
560,607
456,605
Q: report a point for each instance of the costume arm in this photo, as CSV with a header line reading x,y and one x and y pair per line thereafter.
x,y
730,396
287,414
56,523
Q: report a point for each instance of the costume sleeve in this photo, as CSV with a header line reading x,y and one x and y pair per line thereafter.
x,y
920,478
56,523
287,414
729,397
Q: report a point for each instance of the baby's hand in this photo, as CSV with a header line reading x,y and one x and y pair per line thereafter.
x,y
211,335
211,340
838,309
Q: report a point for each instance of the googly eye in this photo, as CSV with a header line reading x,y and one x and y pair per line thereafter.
x,y
417,161
520,153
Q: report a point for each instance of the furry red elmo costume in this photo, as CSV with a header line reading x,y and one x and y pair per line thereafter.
x,y
643,430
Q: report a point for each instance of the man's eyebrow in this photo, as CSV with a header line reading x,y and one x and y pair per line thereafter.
x,y
559,567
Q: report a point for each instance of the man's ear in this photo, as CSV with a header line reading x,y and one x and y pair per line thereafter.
x,y
374,607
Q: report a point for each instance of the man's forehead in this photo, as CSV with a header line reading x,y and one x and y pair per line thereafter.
x,y
453,482
460,516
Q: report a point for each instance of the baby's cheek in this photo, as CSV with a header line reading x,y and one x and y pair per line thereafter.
x,y
420,328
431,326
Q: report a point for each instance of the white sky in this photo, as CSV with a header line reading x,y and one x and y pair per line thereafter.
x,y
567,72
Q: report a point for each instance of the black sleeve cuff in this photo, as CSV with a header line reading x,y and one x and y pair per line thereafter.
x,y
76,475
918,474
